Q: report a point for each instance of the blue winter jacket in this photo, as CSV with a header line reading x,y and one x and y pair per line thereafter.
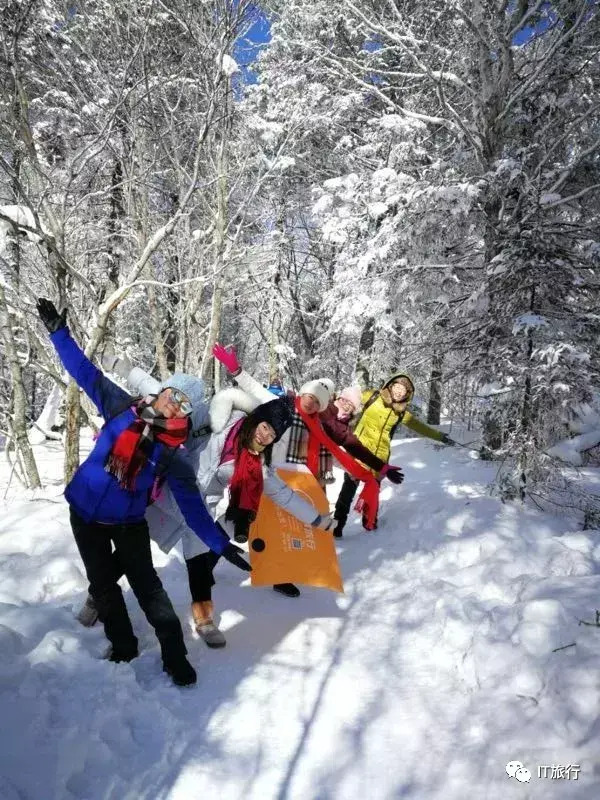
x,y
94,493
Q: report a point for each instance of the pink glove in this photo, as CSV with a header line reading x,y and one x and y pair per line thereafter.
x,y
227,356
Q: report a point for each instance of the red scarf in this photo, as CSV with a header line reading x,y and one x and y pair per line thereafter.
x,y
133,446
246,486
368,501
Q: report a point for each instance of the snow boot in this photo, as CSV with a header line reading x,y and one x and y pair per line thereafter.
x,y
338,530
288,589
181,671
202,612
88,613
117,655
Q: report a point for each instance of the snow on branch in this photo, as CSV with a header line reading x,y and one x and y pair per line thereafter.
x,y
229,65
22,220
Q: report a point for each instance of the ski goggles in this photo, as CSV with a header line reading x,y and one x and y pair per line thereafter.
x,y
181,400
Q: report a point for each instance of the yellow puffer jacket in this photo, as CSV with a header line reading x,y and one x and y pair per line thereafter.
x,y
378,421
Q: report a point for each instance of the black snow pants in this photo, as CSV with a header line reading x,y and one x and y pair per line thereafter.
x,y
134,559
200,575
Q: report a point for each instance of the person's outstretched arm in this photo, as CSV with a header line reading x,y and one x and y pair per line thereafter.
x,y
228,357
109,398
182,482
140,381
421,427
285,497
342,435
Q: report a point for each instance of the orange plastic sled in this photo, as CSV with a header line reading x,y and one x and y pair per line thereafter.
x,y
285,550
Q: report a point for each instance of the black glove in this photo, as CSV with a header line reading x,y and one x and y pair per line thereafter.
x,y
395,475
242,518
447,440
50,316
391,472
232,554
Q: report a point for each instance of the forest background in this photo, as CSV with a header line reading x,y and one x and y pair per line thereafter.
x,y
340,190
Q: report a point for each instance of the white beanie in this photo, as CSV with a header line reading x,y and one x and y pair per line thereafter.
x,y
319,390
329,384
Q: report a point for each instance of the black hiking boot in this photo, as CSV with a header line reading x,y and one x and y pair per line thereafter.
x,y
117,655
181,671
288,589
88,614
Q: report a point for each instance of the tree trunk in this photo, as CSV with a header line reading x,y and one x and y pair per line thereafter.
x,y
435,390
115,219
71,430
210,371
156,326
19,418
527,407
275,325
365,351
172,328
210,367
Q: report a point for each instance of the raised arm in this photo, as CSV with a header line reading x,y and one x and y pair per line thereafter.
x,y
249,384
228,357
109,398
182,482
141,382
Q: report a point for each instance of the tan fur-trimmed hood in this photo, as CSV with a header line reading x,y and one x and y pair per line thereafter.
x,y
386,395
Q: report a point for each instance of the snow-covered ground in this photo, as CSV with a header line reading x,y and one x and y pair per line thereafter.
x,y
438,666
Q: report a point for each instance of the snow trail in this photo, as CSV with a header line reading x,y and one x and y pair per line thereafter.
x,y
434,670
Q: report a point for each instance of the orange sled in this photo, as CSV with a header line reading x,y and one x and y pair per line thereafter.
x,y
285,550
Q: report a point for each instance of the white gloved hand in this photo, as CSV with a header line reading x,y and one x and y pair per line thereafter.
x,y
325,522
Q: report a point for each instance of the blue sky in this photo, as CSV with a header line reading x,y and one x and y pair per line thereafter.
x,y
247,49
530,31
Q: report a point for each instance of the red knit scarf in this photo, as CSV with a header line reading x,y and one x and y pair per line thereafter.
x,y
133,446
368,501
246,487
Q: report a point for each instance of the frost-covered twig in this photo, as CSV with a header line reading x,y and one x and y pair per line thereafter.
x,y
564,647
595,624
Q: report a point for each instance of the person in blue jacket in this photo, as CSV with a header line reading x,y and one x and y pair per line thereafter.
x,y
276,387
140,446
